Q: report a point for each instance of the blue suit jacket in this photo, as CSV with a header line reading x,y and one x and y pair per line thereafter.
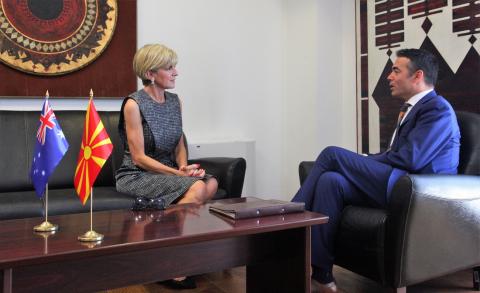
x,y
428,141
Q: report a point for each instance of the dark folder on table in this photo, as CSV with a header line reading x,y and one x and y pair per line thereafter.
x,y
256,208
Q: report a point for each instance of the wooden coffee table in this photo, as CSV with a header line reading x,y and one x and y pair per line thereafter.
x,y
144,247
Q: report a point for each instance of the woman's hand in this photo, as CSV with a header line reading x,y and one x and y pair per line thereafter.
x,y
192,170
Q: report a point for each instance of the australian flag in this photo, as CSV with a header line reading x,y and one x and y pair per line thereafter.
x,y
50,148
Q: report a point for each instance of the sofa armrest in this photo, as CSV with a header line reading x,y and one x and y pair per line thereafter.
x,y
230,172
303,170
433,227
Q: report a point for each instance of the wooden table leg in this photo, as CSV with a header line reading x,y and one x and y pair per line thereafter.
x,y
7,280
476,279
287,268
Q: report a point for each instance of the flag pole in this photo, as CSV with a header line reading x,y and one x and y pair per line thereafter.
x,y
91,209
91,236
46,226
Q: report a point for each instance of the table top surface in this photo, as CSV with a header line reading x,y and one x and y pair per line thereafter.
x,y
126,231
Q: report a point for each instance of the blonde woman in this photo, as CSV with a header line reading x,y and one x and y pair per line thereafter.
x,y
154,168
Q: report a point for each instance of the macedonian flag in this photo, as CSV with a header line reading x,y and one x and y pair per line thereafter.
x,y
95,149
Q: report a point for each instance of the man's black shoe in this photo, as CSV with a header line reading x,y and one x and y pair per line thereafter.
x,y
187,283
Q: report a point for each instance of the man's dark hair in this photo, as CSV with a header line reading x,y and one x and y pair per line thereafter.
x,y
421,60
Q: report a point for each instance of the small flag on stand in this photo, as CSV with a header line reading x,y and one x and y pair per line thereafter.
x,y
50,148
95,149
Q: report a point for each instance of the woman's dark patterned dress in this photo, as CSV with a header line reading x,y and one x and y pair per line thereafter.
x,y
162,129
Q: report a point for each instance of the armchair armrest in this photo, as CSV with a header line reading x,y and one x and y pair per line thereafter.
x,y
230,172
433,227
303,170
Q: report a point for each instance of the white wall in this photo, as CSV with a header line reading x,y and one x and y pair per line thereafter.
x,y
59,103
279,72
230,66
319,106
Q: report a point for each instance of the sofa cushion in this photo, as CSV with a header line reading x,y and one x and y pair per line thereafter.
x,y
25,204
19,204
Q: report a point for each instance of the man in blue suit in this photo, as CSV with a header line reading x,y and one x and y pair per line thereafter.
x,y
426,141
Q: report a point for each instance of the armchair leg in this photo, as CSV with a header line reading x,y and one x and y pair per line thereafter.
x,y
476,278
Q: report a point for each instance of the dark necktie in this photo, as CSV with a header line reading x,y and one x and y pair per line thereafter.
x,y
403,111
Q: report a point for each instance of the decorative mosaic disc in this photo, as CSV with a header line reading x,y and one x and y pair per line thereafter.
x,y
54,37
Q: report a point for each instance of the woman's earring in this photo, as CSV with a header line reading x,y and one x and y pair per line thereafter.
x,y
152,81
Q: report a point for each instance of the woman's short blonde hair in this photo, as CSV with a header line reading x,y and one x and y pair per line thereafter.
x,y
151,58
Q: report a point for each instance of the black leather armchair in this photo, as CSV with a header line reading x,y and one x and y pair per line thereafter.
x,y
430,228
230,173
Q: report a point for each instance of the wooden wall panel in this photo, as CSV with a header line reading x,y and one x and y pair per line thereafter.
x,y
110,75
448,29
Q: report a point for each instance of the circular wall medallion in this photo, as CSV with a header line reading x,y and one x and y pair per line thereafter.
x,y
56,36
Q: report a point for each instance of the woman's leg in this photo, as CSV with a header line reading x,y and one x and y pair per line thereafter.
x,y
200,192
212,187
197,193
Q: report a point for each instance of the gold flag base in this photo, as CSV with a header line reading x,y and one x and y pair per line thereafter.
x,y
90,244
45,234
91,236
45,227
